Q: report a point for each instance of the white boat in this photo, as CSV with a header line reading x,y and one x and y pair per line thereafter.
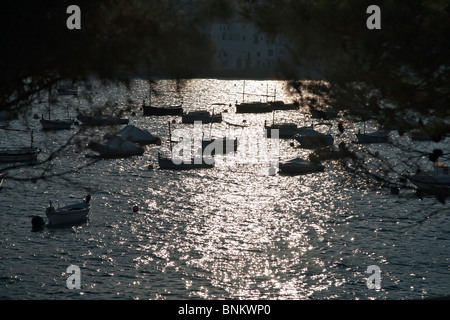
x,y
78,212
298,166
24,154
139,136
437,181
116,147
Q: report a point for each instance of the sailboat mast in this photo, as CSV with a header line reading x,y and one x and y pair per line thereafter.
x,y
170,138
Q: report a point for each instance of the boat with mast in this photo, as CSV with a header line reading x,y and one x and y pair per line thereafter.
x,y
56,124
149,110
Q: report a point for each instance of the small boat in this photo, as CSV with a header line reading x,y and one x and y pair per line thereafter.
x,y
116,147
162,111
99,120
299,166
149,110
253,107
433,182
312,139
139,136
281,105
203,116
169,164
25,154
285,130
75,213
373,137
55,124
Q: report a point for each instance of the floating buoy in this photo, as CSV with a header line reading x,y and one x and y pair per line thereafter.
x,y
158,142
150,167
135,208
173,121
395,190
37,222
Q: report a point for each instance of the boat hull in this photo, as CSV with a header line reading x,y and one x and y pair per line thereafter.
x,y
154,111
314,141
55,125
100,121
18,155
186,118
168,164
368,138
63,217
299,167
438,184
264,107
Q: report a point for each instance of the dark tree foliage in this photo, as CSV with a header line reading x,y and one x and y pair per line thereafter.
x,y
384,74
118,38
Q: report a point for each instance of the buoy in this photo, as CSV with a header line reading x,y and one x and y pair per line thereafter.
x,y
150,167
37,222
87,155
395,190
135,208
173,121
158,142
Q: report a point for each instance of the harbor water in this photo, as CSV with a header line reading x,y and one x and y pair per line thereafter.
x,y
229,232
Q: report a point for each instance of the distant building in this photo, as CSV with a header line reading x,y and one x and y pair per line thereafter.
x,y
245,51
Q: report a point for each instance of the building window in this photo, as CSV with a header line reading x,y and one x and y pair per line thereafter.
x,y
270,52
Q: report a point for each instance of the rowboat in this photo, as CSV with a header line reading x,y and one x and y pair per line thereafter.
x,y
24,154
299,166
78,212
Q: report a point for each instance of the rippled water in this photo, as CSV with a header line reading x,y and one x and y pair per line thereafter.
x,y
228,232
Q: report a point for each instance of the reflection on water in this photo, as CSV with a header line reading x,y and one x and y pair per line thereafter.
x,y
228,232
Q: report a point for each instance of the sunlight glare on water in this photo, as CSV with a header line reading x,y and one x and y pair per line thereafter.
x,y
230,232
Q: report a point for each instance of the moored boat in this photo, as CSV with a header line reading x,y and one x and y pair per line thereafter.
x,y
436,182
56,124
299,166
98,120
171,164
24,154
203,116
75,213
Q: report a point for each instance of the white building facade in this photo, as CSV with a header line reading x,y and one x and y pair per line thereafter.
x,y
242,47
